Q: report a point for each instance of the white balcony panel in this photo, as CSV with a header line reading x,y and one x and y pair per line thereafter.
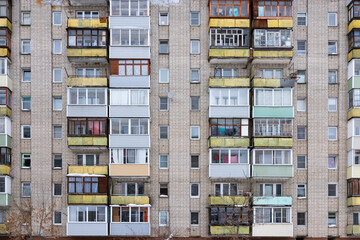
x,y
229,112
130,229
129,22
87,229
272,230
87,111
229,170
129,52
129,111
129,141
129,81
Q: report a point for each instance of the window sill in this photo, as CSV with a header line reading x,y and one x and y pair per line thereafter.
x,y
164,196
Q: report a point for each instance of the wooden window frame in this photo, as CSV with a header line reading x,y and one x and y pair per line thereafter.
x,y
351,10
7,36
115,66
8,95
256,9
233,125
233,7
98,35
87,121
243,216
101,185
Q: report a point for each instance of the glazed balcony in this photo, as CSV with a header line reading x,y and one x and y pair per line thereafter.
x,y
5,195
129,103
76,81
272,201
229,82
270,14
129,170
137,141
273,142
272,230
88,23
273,83
126,200
229,230
228,200
272,171
91,170
5,42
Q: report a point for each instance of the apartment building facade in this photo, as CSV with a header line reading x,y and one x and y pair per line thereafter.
x,y
201,118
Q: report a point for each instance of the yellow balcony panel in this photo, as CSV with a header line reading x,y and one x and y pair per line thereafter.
x,y
4,170
355,53
280,23
229,82
130,170
353,201
97,52
3,229
4,22
273,142
87,23
353,229
229,53
229,142
233,23
262,82
353,172
125,200
229,230
355,23
5,111
98,170
273,53
229,200
4,52
89,82
87,141
355,112
87,199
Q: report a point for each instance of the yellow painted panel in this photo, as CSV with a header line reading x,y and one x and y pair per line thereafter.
x,y
88,169
229,142
280,23
353,201
273,142
3,52
4,170
355,112
229,82
87,23
5,111
96,82
229,230
353,229
261,82
87,199
227,53
273,54
355,53
87,141
240,23
86,52
125,200
229,200
355,23
131,170
4,22
3,229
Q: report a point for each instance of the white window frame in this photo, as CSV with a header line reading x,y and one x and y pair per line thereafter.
x,y
197,72
22,131
267,33
240,94
274,187
167,127
336,189
57,24
272,103
273,157
130,126
336,47
329,104
22,46
191,101
166,215
258,209
164,23
117,156
298,78
331,72
229,37
54,106
129,93
87,212
54,157
167,161
54,127
54,223
22,74
87,96
304,16
297,190
198,18
28,157
222,186
96,156
336,218
336,161
302,51
54,190
228,154
54,74
268,127
298,105
22,18
129,40
192,50
22,103
329,17
331,128
198,188
57,51
166,72
263,73
138,12
198,131
93,14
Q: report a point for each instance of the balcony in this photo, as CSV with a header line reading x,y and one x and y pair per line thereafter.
x,y
229,230
229,82
267,53
272,230
88,23
117,81
229,111
126,200
129,170
129,21
97,170
4,170
353,229
135,111
5,23
353,172
272,171
87,81
273,83
3,229
130,229
5,81
87,110
86,55
353,113
129,141
229,23
228,200
273,142
355,23
129,52
88,141
87,199
354,54
228,142
236,55
5,111
229,170
273,23
273,112
5,141
5,199
272,201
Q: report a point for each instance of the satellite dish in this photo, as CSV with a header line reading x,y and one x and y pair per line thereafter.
x,y
170,95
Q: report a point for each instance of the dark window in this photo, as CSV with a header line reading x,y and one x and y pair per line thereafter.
x,y
354,10
164,46
229,216
5,155
221,127
163,189
354,39
195,161
194,218
301,218
5,38
57,189
83,38
87,185
5,97
87,127
58,160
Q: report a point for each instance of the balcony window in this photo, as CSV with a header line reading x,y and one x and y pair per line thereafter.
x,y
272,38
83,38
87,14
129,156
132,67
273,9
84,214
5,156
229,37
87,72
2,185
91,127
131,214
356,218
132,126
226,189
273,127
5,8
225,72
129,97
353,187
5,38
229,156
273,97
270,189
354,39
129,37
229,216
87,185
5,66
88,159
221,127
273,157
229,8
87,96
356,67
229,97
354,10
129,8
270,73
272,215
132,189
5,97
354,98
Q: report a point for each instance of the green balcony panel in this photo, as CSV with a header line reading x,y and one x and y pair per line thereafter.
x,y
5,199
229,142
229,230
272,201
273,171
353,82
125,200
273,142
5,141
229,200
273,112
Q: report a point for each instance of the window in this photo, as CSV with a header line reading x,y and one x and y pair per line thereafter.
x,y
163,189
163,132
87,127
225,73
25,18
57,132
270,73
301,19
87,96
87,15
195,132
273,97
57,218
272,215
5,9
132,189
3,184
128,37
25,160
88,159
129,97
95,72
273,127
26,75
194,75
163,218
5,97
5,156
301,190
332,76
194,18
194,103
353,11
5,38
195,47
226,189
332,133
2,217
332,189
332,219
332,19
164,46
229,215
125,68
271,189
25,131
264,38
195,161
354,98
229,37
164,103
163,75
164,161
301,219
332,47
194,218
229,8
26,103
353,187
273,157
229,96
125,8
301,105
332,104
221,127
87,185
229,156
25,49
57,18
332,163
163,18
57,47
301,47
57,75
354,39
301,133
194,190
26,189
4,63
301,162
57,189
85,214
356,218
131,214
132,126
82,38
274,8
57,103
301,76
57,161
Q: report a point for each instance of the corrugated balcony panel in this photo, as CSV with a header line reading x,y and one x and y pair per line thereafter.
x,y
5,199
88,23
5,111
353,229
88,141
229,230
129,52
87,111
355,23
273,112
129,141
98,170
229,142
87,55
264,53
273,171
229,111
228,200
229,82
125,200
273,23
273,142
86,3
87,199
87,229
272,201
129,170
5,81
123,21
229,170
129,229
229,22
130,81
272,230
4,170
353,82
87,82
133,111
5,23
273,83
